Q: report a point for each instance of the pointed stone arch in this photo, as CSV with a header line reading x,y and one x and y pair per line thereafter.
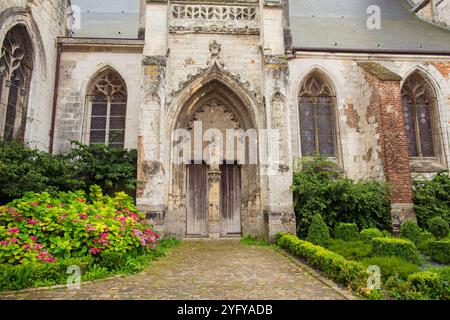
x,y
107,94
229,104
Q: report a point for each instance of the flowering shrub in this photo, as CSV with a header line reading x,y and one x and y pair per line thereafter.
x,y
39,228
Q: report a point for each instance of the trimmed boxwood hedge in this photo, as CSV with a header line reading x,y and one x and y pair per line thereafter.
x,y
349,273
440,250
367,235
427,285
397,247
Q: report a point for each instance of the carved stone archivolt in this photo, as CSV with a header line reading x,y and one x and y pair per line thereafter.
x,y
214,110
211,18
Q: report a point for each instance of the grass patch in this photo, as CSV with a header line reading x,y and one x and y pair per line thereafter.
x,y
251,241
351,250
392,266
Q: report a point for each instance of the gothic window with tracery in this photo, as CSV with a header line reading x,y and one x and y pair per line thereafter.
x,y
316,112
108,110
418,108
16,67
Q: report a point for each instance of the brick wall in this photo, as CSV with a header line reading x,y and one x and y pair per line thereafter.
x,y
386,107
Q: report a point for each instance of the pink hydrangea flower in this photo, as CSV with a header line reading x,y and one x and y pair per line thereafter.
x,y
13,240
82,216
32,221
14,230
34,238
90,227
104,235
97,216
4,243
123,219
49,206
94,251
34,204
119,212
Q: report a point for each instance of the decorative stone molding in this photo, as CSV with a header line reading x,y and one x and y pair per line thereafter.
x,y
219,69
217,105
212,18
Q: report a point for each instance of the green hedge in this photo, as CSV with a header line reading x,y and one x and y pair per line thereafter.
x,y
397,247
367,235
349,273
440,250
346,231
427,285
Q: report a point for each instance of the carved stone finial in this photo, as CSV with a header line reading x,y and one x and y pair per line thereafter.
x,y
215,48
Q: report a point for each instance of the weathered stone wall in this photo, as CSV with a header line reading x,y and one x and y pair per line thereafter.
x,y
437,11
77,71
357,129
44,20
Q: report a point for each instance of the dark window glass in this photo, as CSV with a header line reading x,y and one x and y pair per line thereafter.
x,y
316,107
418,103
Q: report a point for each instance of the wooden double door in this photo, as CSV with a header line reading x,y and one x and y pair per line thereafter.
x,y
230,201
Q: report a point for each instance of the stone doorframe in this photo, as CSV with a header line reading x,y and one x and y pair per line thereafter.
x,y
215,84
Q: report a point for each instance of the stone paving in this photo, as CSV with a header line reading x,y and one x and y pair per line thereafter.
x,y
206,269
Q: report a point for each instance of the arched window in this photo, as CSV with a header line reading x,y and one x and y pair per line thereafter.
x,y
418,106
16,65
317,121
108,109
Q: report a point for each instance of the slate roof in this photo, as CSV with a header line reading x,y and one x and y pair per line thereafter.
x,y
315,24
108,18
342,24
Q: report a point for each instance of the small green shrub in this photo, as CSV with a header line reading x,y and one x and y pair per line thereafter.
x,y
346,231
352,250
402,248
440,251
367,235
349,273
318,232
411,230
438,227
427,285
392,266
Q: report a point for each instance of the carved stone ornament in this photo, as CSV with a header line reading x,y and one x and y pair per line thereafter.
x,y
214,18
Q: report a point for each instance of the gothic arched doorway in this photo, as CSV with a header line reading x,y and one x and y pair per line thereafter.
x,y
215,163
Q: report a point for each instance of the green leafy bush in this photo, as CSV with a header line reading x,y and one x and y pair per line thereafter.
x,y
26,170
432,199
318,232
438,227
440,250
367,235
392,266
349,273
320,187
427,285
33,275
402,248
410,230
352,250
40,228
346,231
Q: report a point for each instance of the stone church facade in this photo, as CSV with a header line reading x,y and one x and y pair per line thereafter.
x,y
379,106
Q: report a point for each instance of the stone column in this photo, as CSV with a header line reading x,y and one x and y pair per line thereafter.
x,y
214,175
386,108
151,191
279,212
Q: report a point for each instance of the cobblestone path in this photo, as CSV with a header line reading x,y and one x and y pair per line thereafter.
x,y
206,269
